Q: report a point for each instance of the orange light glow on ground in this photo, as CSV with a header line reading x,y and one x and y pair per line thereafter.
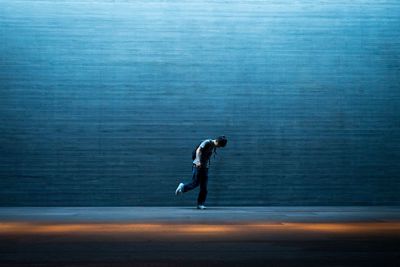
x,y
193,230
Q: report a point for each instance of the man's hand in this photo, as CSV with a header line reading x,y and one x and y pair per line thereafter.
x,y
198,164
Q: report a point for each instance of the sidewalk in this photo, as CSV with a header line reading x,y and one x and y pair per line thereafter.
x,y
182,236
211,214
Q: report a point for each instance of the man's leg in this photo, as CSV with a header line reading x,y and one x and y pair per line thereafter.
x,y
194,183
203,180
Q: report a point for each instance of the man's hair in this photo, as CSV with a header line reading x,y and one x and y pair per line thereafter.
x,y
222,141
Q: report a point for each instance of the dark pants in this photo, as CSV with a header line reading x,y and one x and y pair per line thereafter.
x,y
200,177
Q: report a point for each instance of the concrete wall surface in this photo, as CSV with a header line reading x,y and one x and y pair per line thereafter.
x,y
101,102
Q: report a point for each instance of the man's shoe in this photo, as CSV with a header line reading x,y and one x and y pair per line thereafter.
x,y
201,207
179,189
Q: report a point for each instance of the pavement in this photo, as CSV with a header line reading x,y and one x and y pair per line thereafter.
x,y
185,236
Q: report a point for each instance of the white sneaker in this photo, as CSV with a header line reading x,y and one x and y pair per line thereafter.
x,y
201,207
179,189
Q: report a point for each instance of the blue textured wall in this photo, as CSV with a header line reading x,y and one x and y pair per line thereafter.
x,y
101,102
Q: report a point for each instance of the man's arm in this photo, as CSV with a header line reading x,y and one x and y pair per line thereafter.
x,y
198,156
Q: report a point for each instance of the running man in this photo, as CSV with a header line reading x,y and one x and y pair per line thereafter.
x,y
201,162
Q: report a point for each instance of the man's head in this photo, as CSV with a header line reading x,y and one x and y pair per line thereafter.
x,y
221,141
